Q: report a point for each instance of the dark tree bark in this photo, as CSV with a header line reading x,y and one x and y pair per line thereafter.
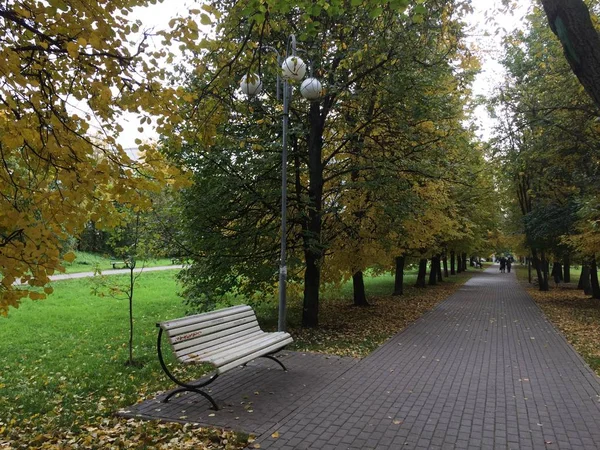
x,y
311,227
399,276
452,263
433,271
445,263
312,281
358,283
594,278
585,281
464,261
459,265
540,270
584,277
567,269
570,21
422,273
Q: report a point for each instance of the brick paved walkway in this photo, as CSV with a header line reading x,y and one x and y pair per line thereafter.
x,y
482,370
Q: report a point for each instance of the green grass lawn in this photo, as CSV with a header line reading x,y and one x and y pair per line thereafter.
x,y
62,355
62,371
88,262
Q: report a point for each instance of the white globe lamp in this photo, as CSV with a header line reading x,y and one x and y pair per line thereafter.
x,y
293,68
251,84
311,89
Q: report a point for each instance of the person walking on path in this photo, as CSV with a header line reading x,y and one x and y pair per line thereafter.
x,y
502,264
508,263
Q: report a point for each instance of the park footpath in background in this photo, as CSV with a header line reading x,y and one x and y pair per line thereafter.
x,y
483,370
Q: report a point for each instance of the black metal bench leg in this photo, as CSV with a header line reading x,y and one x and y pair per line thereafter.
x,y
197,391
184,386
272,358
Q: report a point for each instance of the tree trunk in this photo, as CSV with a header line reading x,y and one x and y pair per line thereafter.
x,y
312,281
445,264
543,286
464,261
313,250
586,284
584,278
358,283
130,294
439,268
399,276
570,21
567,269
594,278
545,271
452,262
459,266
433,271
422,273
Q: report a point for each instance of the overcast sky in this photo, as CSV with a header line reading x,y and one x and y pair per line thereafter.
x,y
482,34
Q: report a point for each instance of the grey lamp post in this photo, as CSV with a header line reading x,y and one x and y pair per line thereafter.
x,y
292,68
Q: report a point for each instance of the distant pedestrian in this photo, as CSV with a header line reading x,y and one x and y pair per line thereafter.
x,y
502,264
508,263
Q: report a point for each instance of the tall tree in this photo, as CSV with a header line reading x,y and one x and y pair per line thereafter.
x,y
70,70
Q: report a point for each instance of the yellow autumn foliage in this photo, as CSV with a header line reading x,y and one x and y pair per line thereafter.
x,y
67,75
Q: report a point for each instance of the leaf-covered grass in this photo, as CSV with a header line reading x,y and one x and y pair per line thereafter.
x,y
572,312
89,262
62,374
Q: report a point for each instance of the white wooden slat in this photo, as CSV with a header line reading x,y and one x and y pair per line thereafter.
x,y
174,331
231,355
207,340
203,350
250,357
207,356
193,332
236,353
234,344
197,318
209,323
178,343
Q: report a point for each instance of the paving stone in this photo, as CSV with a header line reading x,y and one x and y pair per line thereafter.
x,y
484,369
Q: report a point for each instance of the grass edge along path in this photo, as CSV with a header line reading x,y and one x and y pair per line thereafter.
x,y
60,385
574,313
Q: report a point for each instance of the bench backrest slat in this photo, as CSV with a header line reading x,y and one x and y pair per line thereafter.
x,y
202,332
204,317
218,345
205,343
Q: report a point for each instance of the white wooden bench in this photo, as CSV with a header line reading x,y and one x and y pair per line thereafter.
x,y
225,338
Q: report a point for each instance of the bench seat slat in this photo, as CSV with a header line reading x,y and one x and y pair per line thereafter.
x,y
214,338
233,354
198,318
192,331
231,346
250,357
202,351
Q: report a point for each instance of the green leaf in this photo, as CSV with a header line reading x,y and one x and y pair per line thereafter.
x,y
376,12
205,20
